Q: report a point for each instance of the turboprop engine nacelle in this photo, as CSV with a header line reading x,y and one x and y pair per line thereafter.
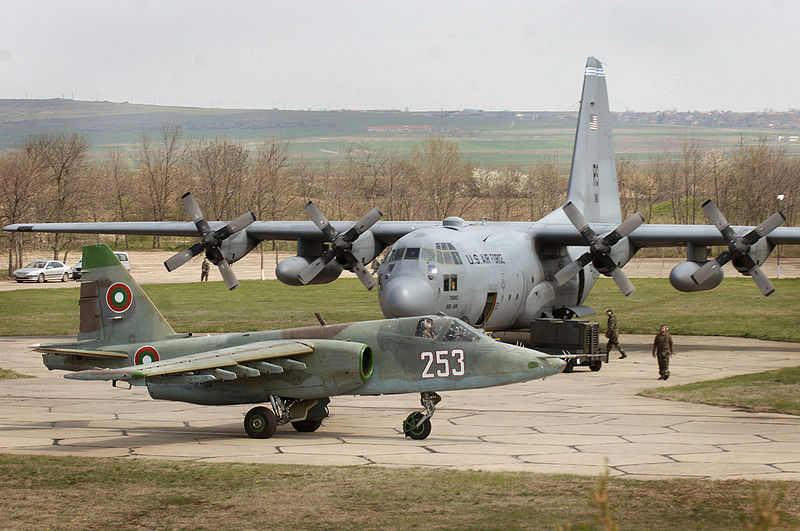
x,y
681,277
289,269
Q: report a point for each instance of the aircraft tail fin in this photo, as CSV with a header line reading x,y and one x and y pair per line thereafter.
x,y
113,307
593,178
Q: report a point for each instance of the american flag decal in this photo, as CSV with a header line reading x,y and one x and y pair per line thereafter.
x,y
593,123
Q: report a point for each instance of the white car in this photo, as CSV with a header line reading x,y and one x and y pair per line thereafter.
x,y
42,271
122,256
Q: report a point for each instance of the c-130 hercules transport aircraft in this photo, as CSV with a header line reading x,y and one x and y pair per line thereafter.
x,y
494,275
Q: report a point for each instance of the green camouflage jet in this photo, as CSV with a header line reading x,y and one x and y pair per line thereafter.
x,y
295,370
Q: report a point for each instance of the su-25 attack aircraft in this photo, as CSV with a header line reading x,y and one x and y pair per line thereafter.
x,y
494,275
295,370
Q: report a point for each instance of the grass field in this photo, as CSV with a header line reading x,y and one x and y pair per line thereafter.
x,y
79,493
772,391
735,308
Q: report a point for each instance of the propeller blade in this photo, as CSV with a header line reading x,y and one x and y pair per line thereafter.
x,y
192,207
718,219
706,271
364,276
313,269
363,225
576,218
767,226
182,257
571,269
566,273
624,229
227,274
623,282
320,220
762,281
242,222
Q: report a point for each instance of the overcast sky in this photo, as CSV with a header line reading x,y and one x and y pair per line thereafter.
x,y
416,54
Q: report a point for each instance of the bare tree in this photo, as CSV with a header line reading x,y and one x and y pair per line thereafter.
x,y
218,169
442,178
159,170
544,189
269,184
63,155
20,179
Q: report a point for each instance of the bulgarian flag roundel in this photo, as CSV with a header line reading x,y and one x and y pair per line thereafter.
x,y
146,354
119,297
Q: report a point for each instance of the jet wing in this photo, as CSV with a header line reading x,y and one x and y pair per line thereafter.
x,y
226,363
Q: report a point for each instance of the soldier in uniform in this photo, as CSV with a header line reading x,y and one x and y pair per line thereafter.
x,y
662,350
612,333
204,270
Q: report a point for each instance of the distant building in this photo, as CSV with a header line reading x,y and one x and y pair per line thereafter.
x,y
400,129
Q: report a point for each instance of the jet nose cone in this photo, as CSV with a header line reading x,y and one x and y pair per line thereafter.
x,y
406,297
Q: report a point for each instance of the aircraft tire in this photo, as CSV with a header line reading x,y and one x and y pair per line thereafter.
x,y
307,426
410,428
260,423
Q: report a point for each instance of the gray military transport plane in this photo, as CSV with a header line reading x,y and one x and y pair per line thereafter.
x,y
296,371
494,275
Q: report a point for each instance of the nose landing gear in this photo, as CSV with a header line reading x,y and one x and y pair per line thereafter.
x,y
418,424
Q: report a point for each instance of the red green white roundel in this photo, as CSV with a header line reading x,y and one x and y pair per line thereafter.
x,y
119,297
146,354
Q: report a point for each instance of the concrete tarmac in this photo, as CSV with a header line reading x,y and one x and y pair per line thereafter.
x,y
570,423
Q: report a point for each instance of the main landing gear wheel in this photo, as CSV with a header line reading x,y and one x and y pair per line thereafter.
x,y
260,423
412,427
307,426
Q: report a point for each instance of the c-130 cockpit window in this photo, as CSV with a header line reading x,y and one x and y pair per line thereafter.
x,y
445,254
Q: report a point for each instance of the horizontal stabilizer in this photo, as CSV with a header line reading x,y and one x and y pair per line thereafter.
x,y
78,352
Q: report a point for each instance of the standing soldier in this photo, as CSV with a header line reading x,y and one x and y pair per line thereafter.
x,y
204,270
662,349
612,333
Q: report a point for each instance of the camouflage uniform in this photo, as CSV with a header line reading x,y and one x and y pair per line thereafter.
x,y
662,350
612,333
205,268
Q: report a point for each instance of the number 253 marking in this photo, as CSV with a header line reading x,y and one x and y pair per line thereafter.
x,y
443,359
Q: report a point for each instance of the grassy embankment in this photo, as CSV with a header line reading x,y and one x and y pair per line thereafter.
x,y
42,492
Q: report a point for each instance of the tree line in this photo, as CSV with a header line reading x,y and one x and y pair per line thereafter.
x,y
54,178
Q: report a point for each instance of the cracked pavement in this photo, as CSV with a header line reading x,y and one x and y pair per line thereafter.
x,y
570,423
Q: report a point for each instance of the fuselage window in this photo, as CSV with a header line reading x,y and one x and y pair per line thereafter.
x,y
448,258
412,253
450,282
426,255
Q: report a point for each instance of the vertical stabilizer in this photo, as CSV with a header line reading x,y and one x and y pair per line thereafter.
x,y
593,178
113,308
